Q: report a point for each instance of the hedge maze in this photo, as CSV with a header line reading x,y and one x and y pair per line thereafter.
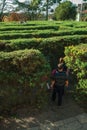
x,y
28,52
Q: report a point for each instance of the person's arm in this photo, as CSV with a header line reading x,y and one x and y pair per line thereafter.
x,y
66,83
52,83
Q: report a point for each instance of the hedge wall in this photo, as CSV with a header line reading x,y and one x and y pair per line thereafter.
x,y
23,77
76,59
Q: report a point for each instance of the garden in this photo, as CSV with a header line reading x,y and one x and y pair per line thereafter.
x,y
28,53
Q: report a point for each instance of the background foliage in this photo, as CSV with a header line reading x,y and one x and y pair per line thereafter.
x,y
65,11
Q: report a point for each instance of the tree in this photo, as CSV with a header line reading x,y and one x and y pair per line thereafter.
x,y
65,11
2,6
81,9
6,6
31,7
50,3
34,8
84,0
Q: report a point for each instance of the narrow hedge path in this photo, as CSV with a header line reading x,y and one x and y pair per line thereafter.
x,y
27,118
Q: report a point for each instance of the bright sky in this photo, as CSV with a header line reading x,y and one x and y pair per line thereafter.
x,y
76,1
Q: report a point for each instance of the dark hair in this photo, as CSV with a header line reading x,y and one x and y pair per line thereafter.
x,y
61,60
60,66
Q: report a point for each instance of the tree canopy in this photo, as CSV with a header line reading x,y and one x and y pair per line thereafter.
x,y
65,11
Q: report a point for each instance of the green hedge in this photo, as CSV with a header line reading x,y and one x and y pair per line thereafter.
x,y
76,59
52,48
23,77
40,34
22,43
28,27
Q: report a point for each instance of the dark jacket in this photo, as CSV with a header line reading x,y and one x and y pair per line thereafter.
x,y
60,78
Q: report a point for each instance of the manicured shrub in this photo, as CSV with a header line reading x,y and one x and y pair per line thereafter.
x,y
23,77
76,59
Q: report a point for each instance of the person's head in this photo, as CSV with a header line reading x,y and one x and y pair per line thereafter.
x,y
60,66
61,60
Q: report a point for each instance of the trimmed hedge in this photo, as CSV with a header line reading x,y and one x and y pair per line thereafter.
x,y
76,59
29,27
23,77
33,42
48,46
40,34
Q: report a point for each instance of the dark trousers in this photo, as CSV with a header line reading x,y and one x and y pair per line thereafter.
x,y
58,91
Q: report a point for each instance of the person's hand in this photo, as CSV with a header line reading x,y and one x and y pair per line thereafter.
x,y
66,83
51,86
